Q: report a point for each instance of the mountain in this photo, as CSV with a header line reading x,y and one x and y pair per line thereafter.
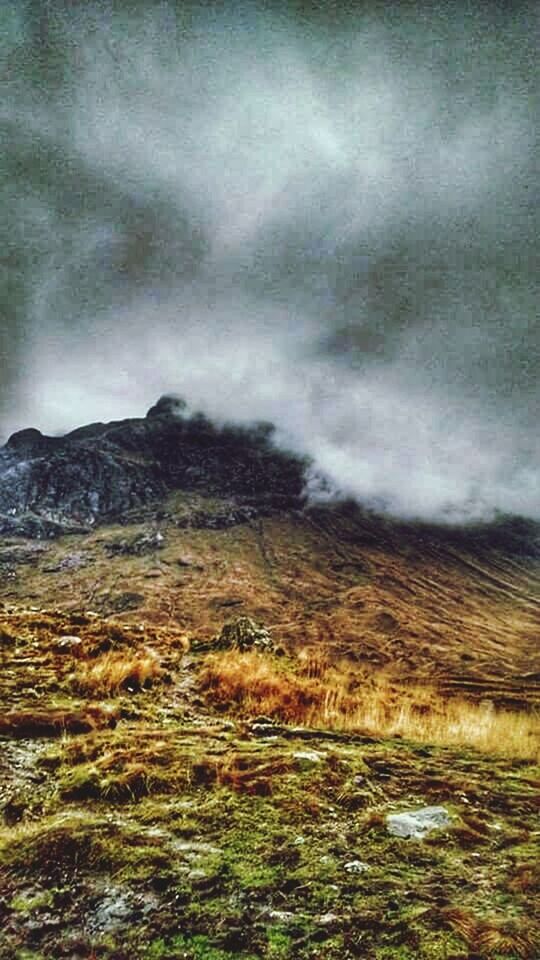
x,y
239,723
174,519
98,473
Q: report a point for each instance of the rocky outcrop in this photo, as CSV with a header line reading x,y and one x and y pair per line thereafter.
x,y
244,634
52,485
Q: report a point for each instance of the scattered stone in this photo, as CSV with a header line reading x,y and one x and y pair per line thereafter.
x,y
68,644
197,873
194,849
137,546
187,561
327,919
308,756
356,866
265,730
280,916
114,909
416,824
129,600
72,561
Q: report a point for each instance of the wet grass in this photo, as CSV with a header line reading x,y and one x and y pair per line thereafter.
x,y
302,867
178,830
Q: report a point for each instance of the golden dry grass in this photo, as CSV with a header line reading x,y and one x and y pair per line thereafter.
x,y
318,694
116,670
384,594
489,938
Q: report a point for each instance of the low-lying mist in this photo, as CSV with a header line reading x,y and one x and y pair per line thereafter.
x,y
326,222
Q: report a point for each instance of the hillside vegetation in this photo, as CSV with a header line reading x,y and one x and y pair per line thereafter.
x,y
152,810
234,724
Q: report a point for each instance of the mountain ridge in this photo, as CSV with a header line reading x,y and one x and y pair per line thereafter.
x,y
98,472
104,472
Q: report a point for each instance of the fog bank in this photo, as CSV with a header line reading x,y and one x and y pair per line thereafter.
x,y
327,222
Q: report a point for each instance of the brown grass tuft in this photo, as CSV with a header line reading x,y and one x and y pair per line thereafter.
x,y
525,878
116,670
314,692
242,772
313,662
125,771
489,938
257,684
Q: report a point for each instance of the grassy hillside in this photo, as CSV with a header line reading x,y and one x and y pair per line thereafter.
x,y
463,610
169,791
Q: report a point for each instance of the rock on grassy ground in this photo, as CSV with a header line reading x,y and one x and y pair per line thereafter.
x,y
144,819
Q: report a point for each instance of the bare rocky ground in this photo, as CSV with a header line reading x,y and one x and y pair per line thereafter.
x,y
145,823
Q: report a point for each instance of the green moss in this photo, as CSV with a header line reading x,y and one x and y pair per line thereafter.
x,y
279,944
28,904
25,954
87,844
218,859
190,948
81,783
439,945
396,953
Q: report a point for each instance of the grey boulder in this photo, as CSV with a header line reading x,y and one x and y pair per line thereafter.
x,y
416,824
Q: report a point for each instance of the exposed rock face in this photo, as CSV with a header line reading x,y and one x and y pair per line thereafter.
x,y
168,405
49,485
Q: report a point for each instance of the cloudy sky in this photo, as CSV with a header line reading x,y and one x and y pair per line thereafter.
x,y
324,215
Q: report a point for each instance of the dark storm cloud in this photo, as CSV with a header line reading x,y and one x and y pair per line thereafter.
x,y
326,221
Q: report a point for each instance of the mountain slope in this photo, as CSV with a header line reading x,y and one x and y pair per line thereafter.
x,y
171,520
150,812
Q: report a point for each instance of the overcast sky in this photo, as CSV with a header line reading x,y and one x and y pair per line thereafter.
x,y
321,215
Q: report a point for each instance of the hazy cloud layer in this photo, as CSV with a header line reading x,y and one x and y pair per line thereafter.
x,y
330,223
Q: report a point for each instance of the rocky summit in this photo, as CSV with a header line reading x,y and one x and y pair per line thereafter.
x,y
53,485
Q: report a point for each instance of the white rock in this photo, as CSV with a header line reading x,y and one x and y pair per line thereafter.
x,y
356,866
68,644
416,824
310,756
